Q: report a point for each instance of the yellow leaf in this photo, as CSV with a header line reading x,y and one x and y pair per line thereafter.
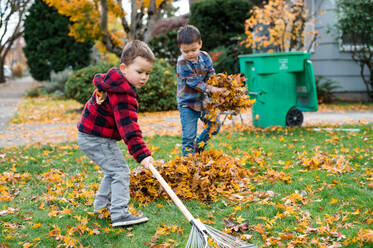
x,y
41,206
333,201
240,219
237,208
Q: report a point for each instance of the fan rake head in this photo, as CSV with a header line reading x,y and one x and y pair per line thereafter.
x,y
204,236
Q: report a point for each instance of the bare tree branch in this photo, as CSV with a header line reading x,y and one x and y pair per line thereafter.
x,y
12,13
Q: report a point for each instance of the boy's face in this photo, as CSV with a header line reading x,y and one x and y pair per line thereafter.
x,y
137,73
191,51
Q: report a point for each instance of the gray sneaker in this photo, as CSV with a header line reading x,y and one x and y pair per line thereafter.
x,y
129,220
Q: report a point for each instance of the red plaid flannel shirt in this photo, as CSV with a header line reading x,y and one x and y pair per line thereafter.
x,y
116,117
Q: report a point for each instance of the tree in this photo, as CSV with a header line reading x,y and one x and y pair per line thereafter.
x,y
219,20
48,45
355,26
98,20
12,13
280,26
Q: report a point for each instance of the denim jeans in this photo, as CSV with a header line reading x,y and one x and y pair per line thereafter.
x,y
189,120
114,188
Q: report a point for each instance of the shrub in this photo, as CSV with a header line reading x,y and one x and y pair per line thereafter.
x,y
33,92
225,58
325,89
56,84
165,46
79,86
17,71
159,94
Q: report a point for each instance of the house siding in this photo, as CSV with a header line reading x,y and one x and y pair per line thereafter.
x,y
330,62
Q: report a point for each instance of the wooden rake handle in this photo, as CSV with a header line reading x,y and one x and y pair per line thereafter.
x,y
171,193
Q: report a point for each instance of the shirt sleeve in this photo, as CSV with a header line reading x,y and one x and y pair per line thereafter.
x,y
186,73
210,66
125,115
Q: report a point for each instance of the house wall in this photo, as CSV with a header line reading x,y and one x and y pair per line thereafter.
x,y
329,61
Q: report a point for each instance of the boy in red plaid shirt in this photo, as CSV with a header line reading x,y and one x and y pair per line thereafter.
x,y
111,115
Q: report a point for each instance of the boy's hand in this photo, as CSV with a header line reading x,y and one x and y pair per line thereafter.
x,y
146,161
221,91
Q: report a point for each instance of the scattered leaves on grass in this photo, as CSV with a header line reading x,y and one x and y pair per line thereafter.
x,y
232,226
333,163
47,110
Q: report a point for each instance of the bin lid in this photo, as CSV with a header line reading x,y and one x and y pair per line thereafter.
x,y
265,63
295,53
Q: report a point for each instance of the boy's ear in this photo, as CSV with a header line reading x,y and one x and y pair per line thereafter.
x,y
200,43
122,66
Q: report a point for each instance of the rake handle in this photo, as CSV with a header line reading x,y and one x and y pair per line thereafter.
x,y
171,193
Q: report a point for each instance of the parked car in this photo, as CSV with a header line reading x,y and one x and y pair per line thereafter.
x,y
7,71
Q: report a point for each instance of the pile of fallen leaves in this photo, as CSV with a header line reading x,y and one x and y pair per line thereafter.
x,y
202,177
236,99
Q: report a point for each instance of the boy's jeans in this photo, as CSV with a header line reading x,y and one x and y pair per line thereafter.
x,y
189,119
107,154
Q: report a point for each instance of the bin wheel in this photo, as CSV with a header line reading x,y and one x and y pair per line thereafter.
x,y
294,117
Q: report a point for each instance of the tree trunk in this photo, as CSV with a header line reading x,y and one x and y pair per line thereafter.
x,y
153,17
13,10
2,77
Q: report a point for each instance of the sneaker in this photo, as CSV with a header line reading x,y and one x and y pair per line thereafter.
x,y
129,220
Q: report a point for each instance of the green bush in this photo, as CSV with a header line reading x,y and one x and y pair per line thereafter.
x,y
79,86
225,58
219,20
159,94
33,92
165,46
325,89
56,84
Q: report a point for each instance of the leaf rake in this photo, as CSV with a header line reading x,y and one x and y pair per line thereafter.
x,y
201,235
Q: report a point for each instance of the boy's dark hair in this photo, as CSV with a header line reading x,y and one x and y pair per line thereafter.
x,y
136,48
188,34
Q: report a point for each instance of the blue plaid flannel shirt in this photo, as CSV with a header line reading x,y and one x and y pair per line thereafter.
x,y
191,81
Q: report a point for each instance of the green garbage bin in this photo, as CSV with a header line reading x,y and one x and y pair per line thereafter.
x,y
283,85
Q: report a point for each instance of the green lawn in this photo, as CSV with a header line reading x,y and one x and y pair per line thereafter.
x,y
316,192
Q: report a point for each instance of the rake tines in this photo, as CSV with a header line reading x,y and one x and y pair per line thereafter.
x,y
201,235
204,236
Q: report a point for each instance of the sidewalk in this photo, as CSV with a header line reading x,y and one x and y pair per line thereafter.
x,y
11,94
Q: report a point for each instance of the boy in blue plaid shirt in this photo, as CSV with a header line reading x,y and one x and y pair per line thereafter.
x,y
194,67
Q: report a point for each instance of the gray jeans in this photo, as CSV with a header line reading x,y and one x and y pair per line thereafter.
x,y
114,188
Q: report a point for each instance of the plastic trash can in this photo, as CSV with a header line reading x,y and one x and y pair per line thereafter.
x,y
283,85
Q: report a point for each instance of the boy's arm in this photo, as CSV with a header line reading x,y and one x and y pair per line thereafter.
x,y
126,120
190,77
210,66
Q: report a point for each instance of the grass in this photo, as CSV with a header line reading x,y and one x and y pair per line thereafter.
x,y
47,193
